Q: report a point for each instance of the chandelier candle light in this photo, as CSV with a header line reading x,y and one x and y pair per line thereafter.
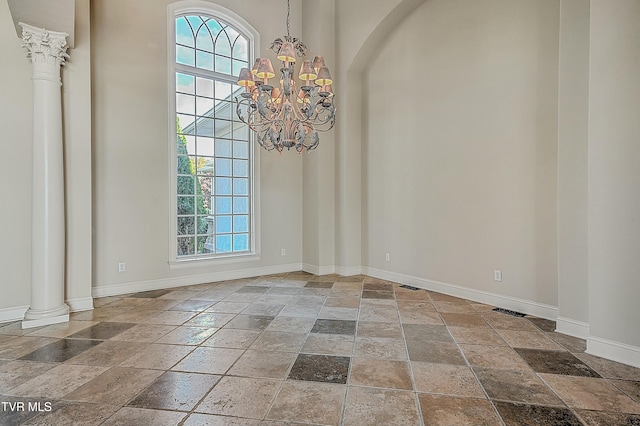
x,y
284,117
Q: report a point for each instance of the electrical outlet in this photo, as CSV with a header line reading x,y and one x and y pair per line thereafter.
x,y
283,252
121,267
497,275
387,257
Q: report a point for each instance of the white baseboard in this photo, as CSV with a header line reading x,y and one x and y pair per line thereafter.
x,y
135,287
512,303
614,351
15,313
348,271
80,304
319,270
572,327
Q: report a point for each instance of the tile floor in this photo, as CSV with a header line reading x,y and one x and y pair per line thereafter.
x,y
297,349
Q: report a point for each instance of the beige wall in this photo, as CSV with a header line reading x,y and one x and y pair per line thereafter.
x,y
573,123
131,189
460,147
15,174
614,176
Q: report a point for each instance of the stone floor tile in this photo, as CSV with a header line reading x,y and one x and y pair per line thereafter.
x,y
197,419
73,414
523,414
184,335
151,294
600,418
610,369
591,394
630,387
407,294
506,322
14,373
543,324
338,313
209,360
175,391
435,352
135,316
494,357
380,373
240,397
529,339
570,343
130,416
209,319
108,353
158,357
263,364
228,307
279,341
328,344
63,329
146,333
267,309
342,302
250,322
386,330
58,381
374,347
310,403
232,338
171,318
426,333
291,324
477,336
61,350
102,331
193,305
463,320
330,326
320,368
555,362
115,386
23,345
516,385
449,410
372,406
181,294
12,413
445,379
453,307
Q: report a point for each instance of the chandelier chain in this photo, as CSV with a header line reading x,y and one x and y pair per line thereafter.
x,y
288,14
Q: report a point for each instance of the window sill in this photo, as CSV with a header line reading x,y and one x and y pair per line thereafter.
x,y
213,261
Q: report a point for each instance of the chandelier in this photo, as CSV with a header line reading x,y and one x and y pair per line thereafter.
x,y
283,116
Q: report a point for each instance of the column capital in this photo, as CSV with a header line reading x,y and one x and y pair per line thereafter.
x,y
44,46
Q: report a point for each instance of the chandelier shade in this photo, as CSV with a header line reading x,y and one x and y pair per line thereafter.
x,y
283,116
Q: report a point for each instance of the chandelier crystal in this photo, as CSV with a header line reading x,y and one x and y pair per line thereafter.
x,y
283,116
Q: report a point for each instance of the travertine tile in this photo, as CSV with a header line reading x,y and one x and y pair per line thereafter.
x,y
175,391
23,345
108,353
494,357
57,382
591,394
380,373
445,379
157,356
374,347
63,329
328,344
127,416
263,364
292,403
279,341
516,385
523,414
240,397
73,414
115,386
449,410
209,360
372,406
145,333
529,339
232,338
291,324
14,373
187,335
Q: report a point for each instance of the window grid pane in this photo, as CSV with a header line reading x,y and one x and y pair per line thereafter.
x,y
213,213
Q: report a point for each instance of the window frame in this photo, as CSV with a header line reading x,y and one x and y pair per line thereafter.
x,y
195,7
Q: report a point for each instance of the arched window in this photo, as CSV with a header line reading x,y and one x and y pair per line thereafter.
x,y
213,206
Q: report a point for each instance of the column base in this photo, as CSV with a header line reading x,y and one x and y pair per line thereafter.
x,y
39,317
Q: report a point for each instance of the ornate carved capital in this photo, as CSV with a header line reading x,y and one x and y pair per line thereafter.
x,y
44,46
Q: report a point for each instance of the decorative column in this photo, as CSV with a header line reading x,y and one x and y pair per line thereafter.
x,y
47,51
